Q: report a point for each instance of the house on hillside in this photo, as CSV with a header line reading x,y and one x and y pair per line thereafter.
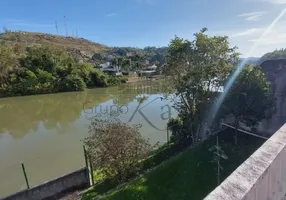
x,y
149,71
150,68
111,70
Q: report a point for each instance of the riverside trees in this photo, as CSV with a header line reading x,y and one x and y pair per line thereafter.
x,y
46,69
197,70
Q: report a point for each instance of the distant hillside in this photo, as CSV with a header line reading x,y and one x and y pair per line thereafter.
x,y
277,54
80,48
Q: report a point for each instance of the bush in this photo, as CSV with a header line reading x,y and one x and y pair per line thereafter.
x,y
179,133
3,90
44,76
116,148
22,83
98,78
71,83
83,70
115,80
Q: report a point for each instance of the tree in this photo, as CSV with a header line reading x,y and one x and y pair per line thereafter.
x,y
8,62
249,99
179,133
116,147
197,69
126,65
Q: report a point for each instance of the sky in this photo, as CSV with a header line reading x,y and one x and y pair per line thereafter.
x,y
141,23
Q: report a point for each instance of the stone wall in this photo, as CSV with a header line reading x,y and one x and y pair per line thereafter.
x,y
55,188
275,71
261,177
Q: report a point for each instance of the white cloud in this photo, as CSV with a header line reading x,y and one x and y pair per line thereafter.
x,y
251,31
245,39
252,16
275,37
111,14
276,1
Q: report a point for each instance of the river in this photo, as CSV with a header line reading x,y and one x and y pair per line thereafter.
x,y
45,132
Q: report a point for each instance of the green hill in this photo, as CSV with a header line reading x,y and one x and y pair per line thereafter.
x,y
79,48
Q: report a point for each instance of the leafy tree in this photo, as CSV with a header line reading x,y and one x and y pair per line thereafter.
x,y
83,70
197,69
249,99
46,58
22,82
98,78
115,147
44,76
126,65
7,62
71,83
179,133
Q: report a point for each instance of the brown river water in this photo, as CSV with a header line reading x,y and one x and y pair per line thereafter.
x,y
45,132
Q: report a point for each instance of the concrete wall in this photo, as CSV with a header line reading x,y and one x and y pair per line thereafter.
x,y
275,71
53,189
261,177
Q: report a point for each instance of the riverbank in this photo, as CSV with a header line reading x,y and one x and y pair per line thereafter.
x,y
113,82
191,175
143,79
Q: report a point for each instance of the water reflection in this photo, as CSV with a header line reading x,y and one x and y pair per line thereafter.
x,y
21,115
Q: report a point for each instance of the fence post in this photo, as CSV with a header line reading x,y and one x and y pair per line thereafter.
x,y
25,175
86,163
91,170
167,136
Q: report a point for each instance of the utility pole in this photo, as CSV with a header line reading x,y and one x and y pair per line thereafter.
x,y
66,26
76,34
57,28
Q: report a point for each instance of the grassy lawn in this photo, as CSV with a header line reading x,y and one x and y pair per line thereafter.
x,y
190,175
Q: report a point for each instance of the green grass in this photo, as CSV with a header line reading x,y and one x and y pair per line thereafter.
x,y
190,175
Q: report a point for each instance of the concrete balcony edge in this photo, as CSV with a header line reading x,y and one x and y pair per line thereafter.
x,y
261,177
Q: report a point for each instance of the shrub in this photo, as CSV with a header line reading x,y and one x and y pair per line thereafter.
x,y
116,148
179,133
3,90
22,83
115,80
71,83
83,70
44,76
98,78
